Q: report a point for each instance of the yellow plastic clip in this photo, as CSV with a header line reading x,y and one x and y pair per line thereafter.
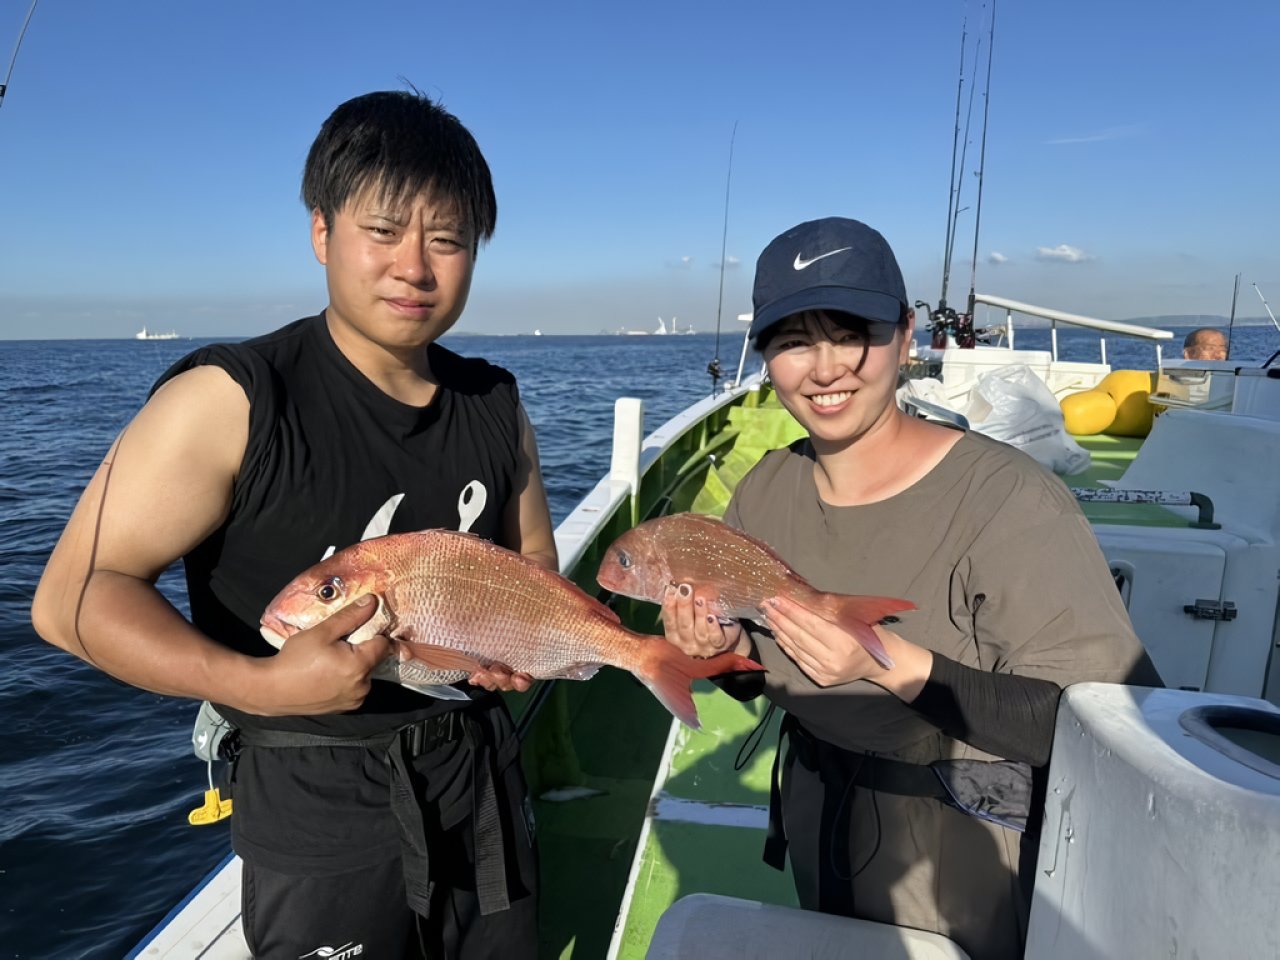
x,y
214,809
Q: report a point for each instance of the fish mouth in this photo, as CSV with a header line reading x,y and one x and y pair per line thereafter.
x,y
613,580
276,631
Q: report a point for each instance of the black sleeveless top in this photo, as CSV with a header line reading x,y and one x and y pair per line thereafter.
x,y
332,460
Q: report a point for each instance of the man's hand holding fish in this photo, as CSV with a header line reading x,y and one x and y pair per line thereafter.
x,y
318,671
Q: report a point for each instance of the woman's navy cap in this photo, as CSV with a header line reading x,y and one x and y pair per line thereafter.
x,y
829,264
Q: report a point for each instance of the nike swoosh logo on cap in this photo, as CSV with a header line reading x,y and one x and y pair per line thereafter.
x,y
801,263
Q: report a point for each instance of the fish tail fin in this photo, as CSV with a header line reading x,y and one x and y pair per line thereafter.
x,y
857,614
669,673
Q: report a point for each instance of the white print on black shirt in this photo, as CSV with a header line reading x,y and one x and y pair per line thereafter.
x,y
471,503
335,953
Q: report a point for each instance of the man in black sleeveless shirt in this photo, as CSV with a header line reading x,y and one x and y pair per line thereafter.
x,y
372,820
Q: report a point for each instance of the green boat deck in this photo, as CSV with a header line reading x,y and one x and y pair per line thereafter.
x,y
1110,457
708,829
609,735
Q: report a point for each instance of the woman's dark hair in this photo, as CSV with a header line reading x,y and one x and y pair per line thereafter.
x,y
761,343
402,144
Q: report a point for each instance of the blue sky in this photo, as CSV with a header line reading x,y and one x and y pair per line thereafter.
x,y
150,152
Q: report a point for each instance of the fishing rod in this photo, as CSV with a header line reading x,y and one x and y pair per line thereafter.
x,y
945,320
714,368
959,182
16,47
982,162
952,198
1266,306
1231,320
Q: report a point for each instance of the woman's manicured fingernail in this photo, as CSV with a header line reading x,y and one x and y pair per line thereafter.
x,y
685,590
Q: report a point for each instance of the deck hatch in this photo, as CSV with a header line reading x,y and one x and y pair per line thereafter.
x,y
1248,736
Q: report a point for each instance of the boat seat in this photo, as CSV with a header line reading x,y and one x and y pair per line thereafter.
x,y
709,925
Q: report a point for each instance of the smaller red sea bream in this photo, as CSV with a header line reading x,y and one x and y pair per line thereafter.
x,y
737,570
460,603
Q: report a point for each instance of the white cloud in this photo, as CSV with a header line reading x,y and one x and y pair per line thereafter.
x,y
682,263
1063,253
997,257
1115,133
730,263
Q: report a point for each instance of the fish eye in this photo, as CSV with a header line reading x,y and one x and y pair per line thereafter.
x,y
624,559
330,590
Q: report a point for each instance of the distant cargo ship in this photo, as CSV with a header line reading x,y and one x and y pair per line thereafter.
x,y
145,334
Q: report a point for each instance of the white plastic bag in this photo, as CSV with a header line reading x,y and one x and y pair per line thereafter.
x,y
1025,414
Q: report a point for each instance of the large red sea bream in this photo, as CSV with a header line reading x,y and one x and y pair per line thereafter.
x,y
738,571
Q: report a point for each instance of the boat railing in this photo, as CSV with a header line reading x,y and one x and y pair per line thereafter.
x,y
746,345
1056,317
632,455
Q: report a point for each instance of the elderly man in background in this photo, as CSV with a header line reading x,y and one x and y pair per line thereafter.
x,y
1206,343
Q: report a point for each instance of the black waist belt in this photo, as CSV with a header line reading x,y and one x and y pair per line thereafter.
x,y
995,790
400,747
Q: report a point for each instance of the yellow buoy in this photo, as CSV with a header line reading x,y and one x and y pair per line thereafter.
x,y
1117,405
1129,389
1087,412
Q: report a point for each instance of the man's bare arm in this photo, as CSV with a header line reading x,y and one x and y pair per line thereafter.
x,y
165,486
527,530
528,518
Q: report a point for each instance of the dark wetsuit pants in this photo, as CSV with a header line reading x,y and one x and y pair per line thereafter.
x,y
908,860
325,855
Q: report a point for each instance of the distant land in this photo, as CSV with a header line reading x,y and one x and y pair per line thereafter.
x,y
1198,320
986,316
1165,320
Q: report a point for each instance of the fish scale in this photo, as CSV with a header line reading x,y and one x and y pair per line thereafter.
x,y
744,572
492,617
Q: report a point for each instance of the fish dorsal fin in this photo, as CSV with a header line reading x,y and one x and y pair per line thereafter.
x,y
458,533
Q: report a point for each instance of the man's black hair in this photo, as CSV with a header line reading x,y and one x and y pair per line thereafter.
x,y
402,144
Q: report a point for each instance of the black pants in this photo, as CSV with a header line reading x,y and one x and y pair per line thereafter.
x,y
323,867
288,917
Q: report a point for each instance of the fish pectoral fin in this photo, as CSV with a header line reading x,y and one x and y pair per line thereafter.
x,y
438,690
443,658
580,671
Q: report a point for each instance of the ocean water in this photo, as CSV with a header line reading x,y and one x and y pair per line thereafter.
x,y
96,778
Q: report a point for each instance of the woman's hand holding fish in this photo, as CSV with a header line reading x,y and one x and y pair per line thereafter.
x,y
690,626
830,655
317,671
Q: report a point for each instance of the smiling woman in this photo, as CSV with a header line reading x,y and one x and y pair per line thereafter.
x,y
835,372
874,501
